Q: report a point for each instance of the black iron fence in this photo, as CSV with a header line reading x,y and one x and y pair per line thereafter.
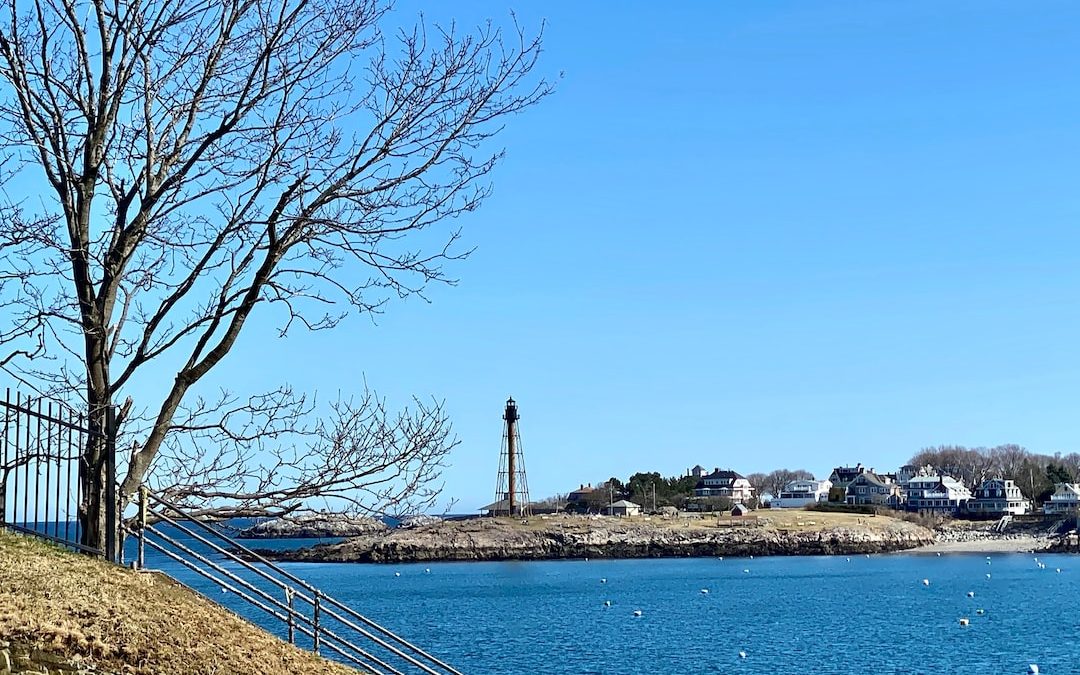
x,y
42,458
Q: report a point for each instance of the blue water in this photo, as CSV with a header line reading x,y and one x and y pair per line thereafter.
x,y
789,615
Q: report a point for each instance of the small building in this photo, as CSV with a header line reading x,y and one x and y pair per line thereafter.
x,y
740,510
499,508
936,494
998,497
799,493
623,508
1066,499
727,484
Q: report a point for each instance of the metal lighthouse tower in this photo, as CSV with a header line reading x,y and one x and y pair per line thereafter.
x,y
511,489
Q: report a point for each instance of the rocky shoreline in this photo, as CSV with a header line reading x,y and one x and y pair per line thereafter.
x,y
565,538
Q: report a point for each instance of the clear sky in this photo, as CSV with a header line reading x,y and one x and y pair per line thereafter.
x,y
753,235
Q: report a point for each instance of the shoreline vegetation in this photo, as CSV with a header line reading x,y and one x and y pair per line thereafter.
x,y
772,532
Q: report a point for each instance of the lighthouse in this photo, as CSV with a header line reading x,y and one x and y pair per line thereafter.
x,y
511,486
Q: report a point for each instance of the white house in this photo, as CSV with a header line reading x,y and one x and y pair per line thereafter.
x,y
724,484
799,493
1066,499
941,494
998,496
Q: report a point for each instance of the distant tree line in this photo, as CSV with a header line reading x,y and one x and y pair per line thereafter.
x,y
1035,474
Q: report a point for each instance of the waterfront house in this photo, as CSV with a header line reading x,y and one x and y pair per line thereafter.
x,y
727,484
799,493
998,497
1066,499
936,494
840,478
623,508
868,488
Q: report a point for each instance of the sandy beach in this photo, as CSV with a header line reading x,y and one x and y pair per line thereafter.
x,y
1007,544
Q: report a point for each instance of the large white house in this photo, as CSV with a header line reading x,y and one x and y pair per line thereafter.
x,y
724,484
1066,499
998,496
799,493
941,494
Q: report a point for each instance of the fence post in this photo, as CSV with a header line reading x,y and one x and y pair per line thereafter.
x,y
292,622
315,632
143,492
111,525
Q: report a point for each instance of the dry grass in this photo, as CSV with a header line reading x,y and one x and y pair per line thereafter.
x,y
129,622
784,519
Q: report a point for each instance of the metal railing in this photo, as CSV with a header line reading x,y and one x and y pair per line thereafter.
x,y
303,610
42,460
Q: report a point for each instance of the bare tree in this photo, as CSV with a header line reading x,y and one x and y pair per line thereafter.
x,y
191,162
776,480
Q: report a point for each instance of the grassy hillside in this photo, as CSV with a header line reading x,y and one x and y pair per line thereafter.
x,y
121,621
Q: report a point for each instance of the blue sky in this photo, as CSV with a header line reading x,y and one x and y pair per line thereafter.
x,y
753,235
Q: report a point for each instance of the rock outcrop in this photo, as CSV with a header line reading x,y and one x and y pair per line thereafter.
x,y
313,527
506,539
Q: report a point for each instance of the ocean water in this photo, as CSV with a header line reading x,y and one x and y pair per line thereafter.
x,y
786,614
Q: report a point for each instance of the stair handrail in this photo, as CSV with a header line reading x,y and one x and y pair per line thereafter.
x,y
319,600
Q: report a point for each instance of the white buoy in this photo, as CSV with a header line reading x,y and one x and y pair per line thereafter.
x,y
397,574
427,570
964,621
704,591
1058,570
925,582
849,559
746,571
637,612
224,590
867,555
971,594
607,603
751,557
939,555
987,575
1033,669
721,558
980,612
742,654
603,581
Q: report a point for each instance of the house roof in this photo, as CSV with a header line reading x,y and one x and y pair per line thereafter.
x,y
623,504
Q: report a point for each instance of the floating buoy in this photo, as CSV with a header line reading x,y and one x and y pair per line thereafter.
x,y
721,558
987,575
939,555
704,591
987,562
1058,570
925,582
867,555
607,603
397,574
603,581
742,654
746,571
586,558
751,557
637,612
964,621
849,559
427,570
980,612
224,590
971,594
1033,669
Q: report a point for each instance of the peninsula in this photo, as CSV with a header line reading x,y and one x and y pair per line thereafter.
x,y
565,536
